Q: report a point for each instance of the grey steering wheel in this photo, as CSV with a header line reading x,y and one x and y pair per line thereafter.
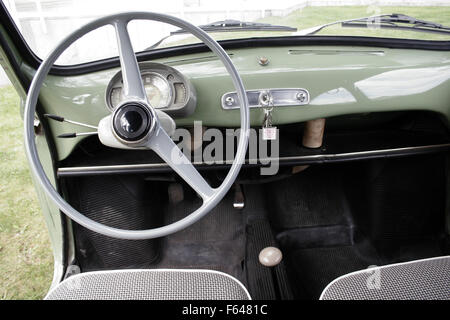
x,y
154,138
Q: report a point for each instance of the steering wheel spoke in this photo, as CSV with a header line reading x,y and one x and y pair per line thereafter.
x,y
133,87
163,145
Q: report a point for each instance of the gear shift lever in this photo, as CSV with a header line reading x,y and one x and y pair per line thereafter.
x,y
270,256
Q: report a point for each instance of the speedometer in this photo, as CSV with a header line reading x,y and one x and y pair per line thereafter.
x,y
165,87
157,89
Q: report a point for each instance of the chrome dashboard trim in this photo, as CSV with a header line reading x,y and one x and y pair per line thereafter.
x,y
282,97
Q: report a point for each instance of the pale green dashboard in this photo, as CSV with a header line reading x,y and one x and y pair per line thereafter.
x,y
340,80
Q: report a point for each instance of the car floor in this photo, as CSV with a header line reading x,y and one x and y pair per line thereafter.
x,y
325,221
308,216
322,237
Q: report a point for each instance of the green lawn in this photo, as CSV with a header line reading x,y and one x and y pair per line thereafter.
x,y
26,263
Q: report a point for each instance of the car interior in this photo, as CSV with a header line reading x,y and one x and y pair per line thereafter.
x,y
358,170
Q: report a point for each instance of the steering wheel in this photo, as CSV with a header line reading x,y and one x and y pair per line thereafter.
x,y
136,124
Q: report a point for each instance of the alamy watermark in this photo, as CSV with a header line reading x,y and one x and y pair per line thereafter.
x,y
373,281
214,146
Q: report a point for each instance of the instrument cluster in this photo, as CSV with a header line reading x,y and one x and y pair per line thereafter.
x,y
167,89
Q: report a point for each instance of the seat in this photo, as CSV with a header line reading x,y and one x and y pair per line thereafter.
x,y
427,279
155,284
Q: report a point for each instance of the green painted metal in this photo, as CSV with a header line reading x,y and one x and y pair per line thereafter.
x,y
53,218
50,212
340,79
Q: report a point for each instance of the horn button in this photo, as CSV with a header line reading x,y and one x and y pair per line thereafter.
x,y
132,122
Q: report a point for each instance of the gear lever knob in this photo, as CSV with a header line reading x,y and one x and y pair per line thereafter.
x,y
270,256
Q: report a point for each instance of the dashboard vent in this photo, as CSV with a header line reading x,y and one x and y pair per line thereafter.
x,y
196,59
336,52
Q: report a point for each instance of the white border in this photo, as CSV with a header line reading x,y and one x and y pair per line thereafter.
x,y
150,270
377,268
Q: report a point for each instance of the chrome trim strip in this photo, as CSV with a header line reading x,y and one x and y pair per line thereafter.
x,y
288,100
66,171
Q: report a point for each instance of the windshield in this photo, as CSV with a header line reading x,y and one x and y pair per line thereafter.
x,y
43,23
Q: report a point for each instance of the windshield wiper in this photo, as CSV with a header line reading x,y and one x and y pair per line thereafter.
x,y
386,21
236,25
229,26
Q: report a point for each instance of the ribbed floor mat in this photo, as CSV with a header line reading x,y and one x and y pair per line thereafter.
x,y
215,242
312,269
321,235
263,283
312,266
314,197
116,202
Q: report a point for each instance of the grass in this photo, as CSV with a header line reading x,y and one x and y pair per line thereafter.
x,y
313,16
26,263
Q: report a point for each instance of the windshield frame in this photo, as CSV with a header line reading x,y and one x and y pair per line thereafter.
x,y
29,57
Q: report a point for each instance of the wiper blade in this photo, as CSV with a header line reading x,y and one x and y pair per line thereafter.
x,y
237,25
398,18
397,21
389,21
227,26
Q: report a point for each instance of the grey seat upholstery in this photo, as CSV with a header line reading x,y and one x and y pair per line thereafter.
x,y
155,284
427,279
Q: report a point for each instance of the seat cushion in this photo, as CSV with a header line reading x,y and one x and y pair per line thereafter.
x,y
156,284
427,279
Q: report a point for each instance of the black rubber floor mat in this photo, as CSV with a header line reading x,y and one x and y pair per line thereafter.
x,y
215,242
321,238
314,197
264,283
311,270
261,283
414,250
315,237
117,202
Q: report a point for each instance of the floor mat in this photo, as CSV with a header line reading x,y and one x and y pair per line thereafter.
x,y
317,255
313,268
263,283
314,197
116,202
215,242
318,234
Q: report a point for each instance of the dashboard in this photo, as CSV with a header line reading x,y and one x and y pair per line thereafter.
x,y
306,82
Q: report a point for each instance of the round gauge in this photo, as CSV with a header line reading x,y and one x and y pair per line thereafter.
x,y
157,89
